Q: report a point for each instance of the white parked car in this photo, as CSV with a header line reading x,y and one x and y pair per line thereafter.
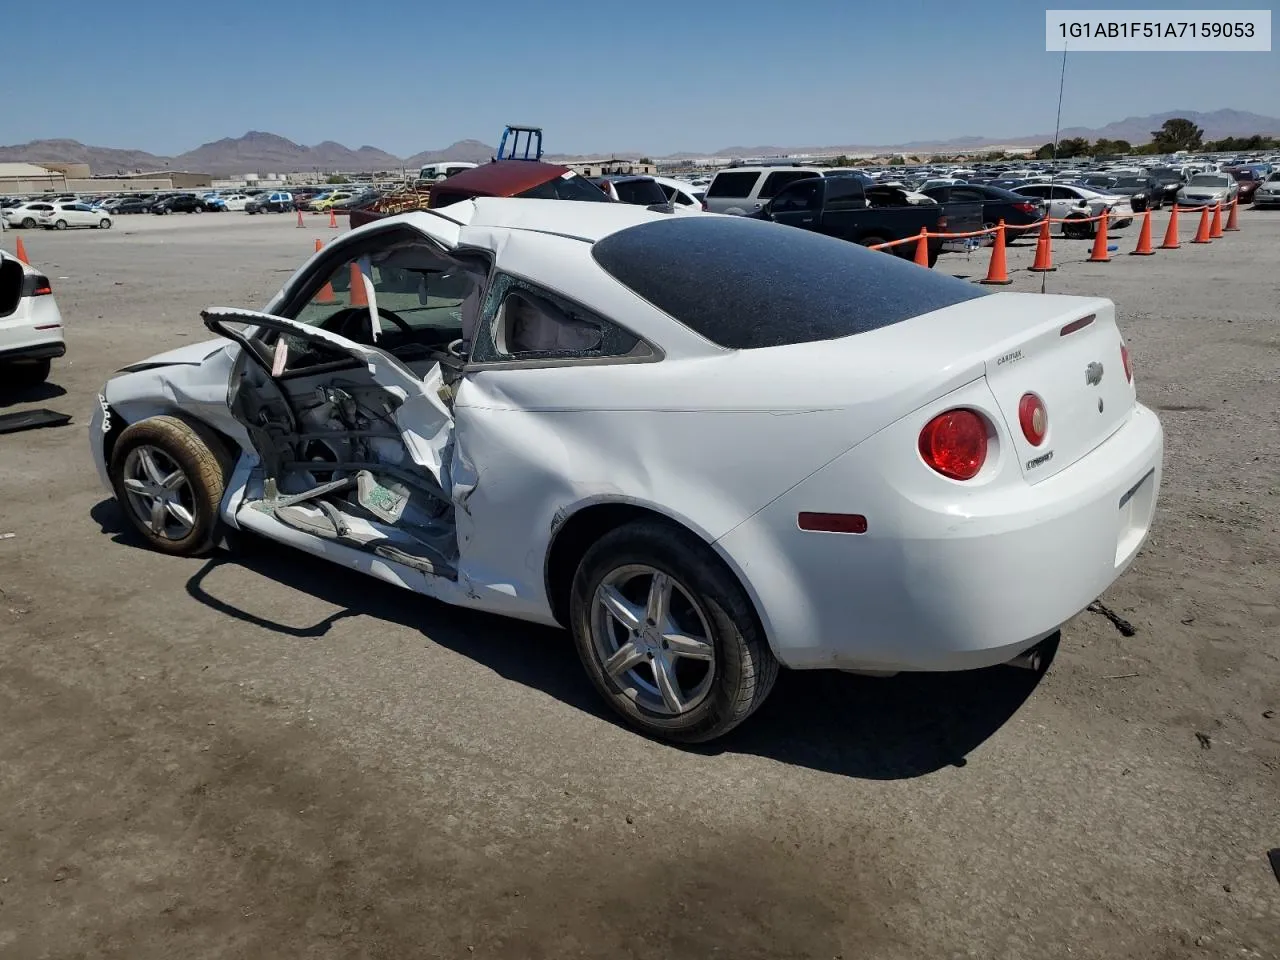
x,y
681,192
1065,198
236,201
705,445
27,214
65,215
30,324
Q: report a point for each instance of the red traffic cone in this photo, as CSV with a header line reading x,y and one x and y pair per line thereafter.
x,y
333,219
358,297
1231,217
1171,234
326,292
922,248
1144,248
1044,250
20,251
1215,225
998,271
1099,253
1202,231
301,225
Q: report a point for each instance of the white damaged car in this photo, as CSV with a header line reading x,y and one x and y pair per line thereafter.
x,y
708,446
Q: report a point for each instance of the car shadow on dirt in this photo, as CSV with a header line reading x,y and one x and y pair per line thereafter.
x,y
30,393
872,728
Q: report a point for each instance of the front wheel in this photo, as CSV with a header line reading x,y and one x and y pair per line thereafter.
x,y
28,223
169,477
104,224
60,225
667,634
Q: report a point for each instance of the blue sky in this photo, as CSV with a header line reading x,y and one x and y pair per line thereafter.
x,y
655,77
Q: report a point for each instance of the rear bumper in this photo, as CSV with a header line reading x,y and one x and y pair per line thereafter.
x,y
937,587
34,351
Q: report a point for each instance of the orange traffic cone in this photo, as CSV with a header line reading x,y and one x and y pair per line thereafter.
x,y
326,292
1231,217
998,271
358,297
1144,248
1099,253
333,219
1215,225
1202,231
922,248
1044,250
20,251
1171,234
301,225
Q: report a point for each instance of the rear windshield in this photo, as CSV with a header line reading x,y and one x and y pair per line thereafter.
x,y
642,192
746,283
565,188
732,184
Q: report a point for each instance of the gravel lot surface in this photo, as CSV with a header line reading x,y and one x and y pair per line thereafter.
x,y
260,755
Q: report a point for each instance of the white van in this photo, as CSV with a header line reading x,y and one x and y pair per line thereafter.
x,y
444,169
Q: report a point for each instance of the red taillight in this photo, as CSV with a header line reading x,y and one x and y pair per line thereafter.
x,y
1124,358
1025,207
1034,418
955,444
832,522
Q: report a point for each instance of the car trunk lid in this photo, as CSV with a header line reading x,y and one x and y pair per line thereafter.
x,y
1072,361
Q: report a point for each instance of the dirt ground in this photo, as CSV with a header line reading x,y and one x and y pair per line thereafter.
x,y
258,755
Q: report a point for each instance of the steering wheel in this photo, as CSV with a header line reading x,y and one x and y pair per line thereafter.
x,y
340,321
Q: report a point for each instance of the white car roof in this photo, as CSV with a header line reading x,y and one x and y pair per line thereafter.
x,y
583,220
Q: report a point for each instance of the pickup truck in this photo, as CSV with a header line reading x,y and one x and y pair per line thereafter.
x,y
852,208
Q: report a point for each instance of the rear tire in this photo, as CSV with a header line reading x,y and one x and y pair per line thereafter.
x,y
170,446
29,373
28,223
60,225
708,608
104,224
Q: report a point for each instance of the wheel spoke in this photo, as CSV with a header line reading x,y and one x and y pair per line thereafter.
x,y
139,487
174,480
659,599
692,648
662,674
149,466
622,609
622,661
181,514
157,517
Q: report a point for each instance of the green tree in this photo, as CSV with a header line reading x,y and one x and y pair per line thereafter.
x,y
1112,146
646,160
336,178
841,161
1177,134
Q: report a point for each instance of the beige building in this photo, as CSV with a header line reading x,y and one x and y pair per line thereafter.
x,y
56,177
612,166
18,178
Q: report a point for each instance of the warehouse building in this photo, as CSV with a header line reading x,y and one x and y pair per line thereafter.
x,y
18,179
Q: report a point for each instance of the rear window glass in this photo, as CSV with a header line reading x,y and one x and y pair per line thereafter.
x,y
566,188
776,181
642,192
745,284
732,185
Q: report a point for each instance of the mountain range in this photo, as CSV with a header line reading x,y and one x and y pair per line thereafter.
x,y
259,152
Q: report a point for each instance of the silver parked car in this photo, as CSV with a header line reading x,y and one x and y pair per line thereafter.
x,y
1207,189
1268,193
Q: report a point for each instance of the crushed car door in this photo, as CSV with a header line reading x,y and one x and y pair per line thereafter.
x,y
355,451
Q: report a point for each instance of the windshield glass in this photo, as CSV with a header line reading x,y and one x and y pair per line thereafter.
x,y
1208,180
